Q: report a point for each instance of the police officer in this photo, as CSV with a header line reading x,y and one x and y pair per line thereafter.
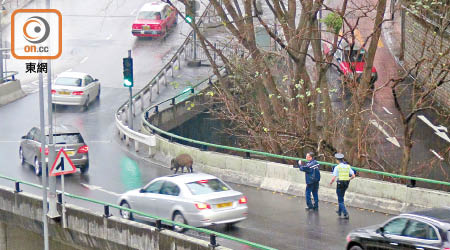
x,y
344,174
312,178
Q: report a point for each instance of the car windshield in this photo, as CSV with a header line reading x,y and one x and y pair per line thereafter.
x,y
68,81
67,138
207,186
153,15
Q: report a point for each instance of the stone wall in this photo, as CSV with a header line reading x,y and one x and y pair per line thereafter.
x,y
425,41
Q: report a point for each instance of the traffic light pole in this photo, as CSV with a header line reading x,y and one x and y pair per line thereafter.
x,y
130,107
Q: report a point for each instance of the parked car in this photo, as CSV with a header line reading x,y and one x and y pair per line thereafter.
x,y
429,229
196,199
351,61
64,136
75,88
154,20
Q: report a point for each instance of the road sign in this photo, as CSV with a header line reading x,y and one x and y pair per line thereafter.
x,y
62,165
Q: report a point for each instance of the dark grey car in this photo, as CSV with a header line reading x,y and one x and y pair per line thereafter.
x,y
64,136
422,230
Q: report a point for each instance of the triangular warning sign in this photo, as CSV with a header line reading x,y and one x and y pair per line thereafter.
x,y
62,164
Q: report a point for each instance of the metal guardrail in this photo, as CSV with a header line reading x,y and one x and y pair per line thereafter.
x,y
158,220
121,116
9,76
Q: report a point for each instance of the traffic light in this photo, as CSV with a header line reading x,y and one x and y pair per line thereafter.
x,y
128,72
189,19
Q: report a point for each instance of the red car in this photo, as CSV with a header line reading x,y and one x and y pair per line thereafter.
x,y
352,61
154,20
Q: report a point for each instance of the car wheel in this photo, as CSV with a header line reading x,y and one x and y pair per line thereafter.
x,y
356,247
178,217
84,169
37,167
230,225
126,214
98,94
86,104
22,158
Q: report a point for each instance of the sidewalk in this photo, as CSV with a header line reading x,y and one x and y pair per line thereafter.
x,y
392,32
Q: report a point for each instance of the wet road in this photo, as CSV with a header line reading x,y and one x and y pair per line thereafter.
x,y
96,37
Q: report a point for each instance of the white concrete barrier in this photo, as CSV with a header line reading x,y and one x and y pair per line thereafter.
x,y
363,192
10,91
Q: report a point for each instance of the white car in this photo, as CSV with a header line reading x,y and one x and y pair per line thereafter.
x,y
75,88
196,199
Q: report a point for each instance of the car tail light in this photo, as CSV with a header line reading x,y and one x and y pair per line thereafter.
x,y
46,151
243,200
83,150
201,206
348,238
446,248
202,181
53,91
77,93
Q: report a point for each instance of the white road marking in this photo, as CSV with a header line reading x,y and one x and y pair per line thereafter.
x,y
133,12
391,139
84,60
69,69
440,130
437,155
387,111
109,37
93,187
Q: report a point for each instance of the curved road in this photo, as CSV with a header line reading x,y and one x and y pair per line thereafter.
x,y
95,38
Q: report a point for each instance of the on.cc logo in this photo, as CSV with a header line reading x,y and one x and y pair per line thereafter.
x,y
36,29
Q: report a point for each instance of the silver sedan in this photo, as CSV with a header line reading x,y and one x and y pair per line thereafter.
x,y
196,199
75,88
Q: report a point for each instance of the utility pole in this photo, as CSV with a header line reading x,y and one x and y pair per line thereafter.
x,y
53,212
1,41
43,163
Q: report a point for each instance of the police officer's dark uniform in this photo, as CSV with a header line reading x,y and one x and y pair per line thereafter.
x,y
344,173
312,178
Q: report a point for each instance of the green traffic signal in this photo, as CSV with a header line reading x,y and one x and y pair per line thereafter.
x,y
127,72
189,19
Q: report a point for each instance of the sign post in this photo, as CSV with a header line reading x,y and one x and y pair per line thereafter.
x,y
62,166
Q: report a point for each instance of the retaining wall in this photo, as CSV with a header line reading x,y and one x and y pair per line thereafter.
x,y
10,91
425,41
85,229
363,192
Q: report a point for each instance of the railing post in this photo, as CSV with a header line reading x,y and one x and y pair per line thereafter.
x,y
171,67
192,90
247,155
179,60
173,101
142,101
106,213
59,196
204,148
158,225
212,240
17,190
136,146
157,85
165,77
156,110
150,94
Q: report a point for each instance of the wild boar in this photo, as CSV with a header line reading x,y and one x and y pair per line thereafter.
x,y
183,160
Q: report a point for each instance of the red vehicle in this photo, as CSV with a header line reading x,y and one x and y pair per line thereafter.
x,y
154,20
352,61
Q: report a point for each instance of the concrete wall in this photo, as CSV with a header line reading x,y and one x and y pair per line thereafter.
x,y
423,40
10,91
173,117
363,192
21,221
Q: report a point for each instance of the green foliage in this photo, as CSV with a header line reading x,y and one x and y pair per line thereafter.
x,y
333,22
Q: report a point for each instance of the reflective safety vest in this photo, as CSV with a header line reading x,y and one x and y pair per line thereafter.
x,y
343,172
